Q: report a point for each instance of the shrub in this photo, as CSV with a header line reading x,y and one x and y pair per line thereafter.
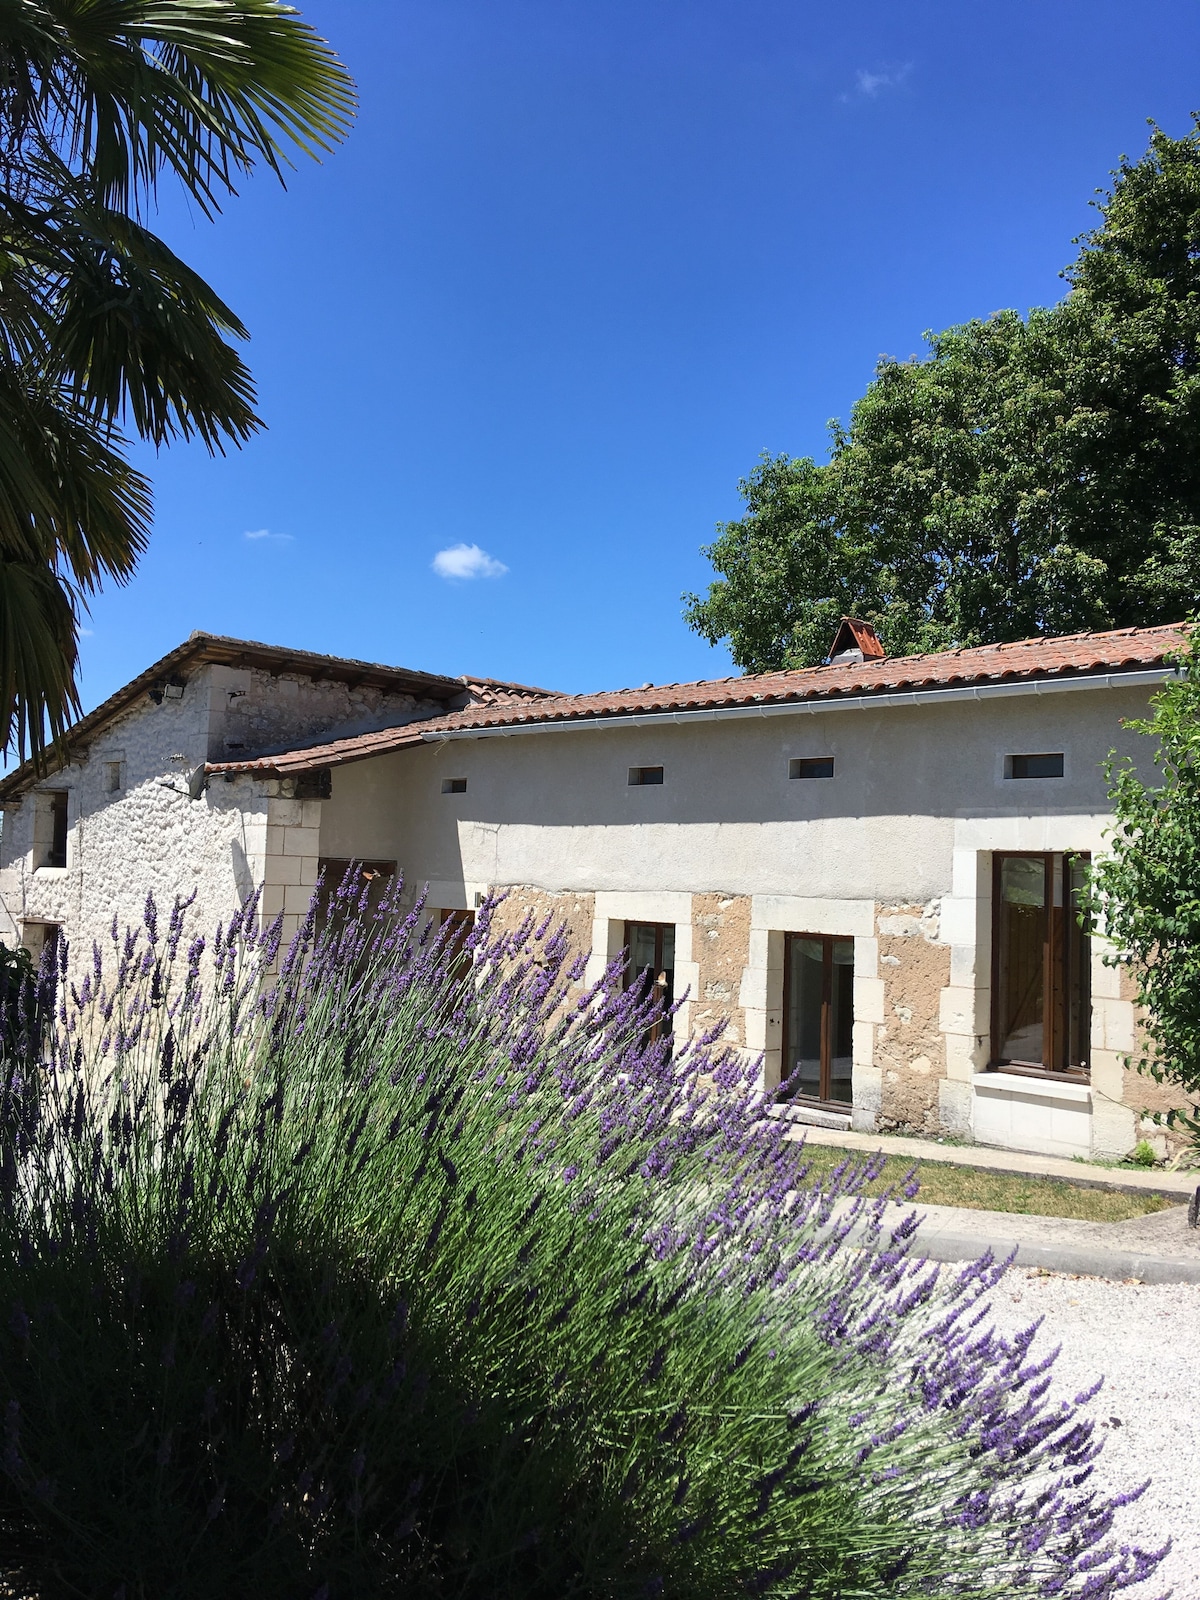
x,y
375,1279
1145,894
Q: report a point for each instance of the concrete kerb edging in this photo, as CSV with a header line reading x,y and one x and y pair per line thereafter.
x,y
1088,1261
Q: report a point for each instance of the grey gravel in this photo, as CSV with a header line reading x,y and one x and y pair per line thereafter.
x,y
1145,1339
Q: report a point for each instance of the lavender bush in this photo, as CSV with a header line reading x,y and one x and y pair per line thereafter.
x,y
366,1278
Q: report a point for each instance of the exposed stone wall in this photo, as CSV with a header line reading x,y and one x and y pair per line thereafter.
x,y
910,1049
573,910
256,712
720,950
1146,1097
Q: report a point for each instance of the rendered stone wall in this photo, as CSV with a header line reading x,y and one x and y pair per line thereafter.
x,y
149,835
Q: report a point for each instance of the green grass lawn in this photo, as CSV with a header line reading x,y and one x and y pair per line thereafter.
x,y
943,1184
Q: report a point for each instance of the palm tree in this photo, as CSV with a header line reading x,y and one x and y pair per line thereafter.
x,y
102,327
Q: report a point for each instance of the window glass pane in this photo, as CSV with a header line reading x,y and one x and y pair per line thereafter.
x,y
1023,880
668,947
1021,938
805,987
841,1022
641,947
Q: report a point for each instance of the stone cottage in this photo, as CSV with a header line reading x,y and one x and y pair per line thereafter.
x,y
867,869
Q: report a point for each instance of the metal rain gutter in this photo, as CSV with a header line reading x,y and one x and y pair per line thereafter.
x,y
860,702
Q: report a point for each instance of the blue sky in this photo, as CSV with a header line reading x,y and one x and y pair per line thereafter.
x,y
579,264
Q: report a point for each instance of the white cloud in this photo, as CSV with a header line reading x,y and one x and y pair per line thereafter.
x,y
265,533
467,561
86,633
870,83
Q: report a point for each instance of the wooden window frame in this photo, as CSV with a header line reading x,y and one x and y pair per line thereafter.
x,y
1057,977
823,1099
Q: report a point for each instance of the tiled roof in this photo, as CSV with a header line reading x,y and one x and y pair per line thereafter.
x,y
202,649
493,692
1075,655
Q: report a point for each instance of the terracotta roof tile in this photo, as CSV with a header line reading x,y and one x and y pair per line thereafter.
x,y
1125,649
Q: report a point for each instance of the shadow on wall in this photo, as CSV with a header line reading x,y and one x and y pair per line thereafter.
x,y
242,876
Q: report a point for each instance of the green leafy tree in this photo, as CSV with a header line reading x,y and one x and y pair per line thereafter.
x,y
1145,894
1031,475
102,327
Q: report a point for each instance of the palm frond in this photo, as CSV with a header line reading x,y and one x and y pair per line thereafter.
x,y
38,658
204,89
67,495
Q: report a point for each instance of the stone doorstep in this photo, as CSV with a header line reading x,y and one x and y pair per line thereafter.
x,y
1018,1163
811,1117
1054,1244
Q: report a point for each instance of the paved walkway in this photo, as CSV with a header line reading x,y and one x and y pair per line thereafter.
x,y
1158,1248
1020,1162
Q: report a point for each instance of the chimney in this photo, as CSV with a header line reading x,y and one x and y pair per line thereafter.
x,y
855,641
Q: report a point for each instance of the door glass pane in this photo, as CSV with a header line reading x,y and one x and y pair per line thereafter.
x,y
841,1022
1021,939
805,988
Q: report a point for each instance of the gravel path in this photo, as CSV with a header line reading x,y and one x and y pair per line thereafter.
x,y
1145,1339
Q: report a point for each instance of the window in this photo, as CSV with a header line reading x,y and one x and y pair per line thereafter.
x,y
650,965
112,777
818,1017
50,829
454,786
1041,959
639,777
1043,766
811,767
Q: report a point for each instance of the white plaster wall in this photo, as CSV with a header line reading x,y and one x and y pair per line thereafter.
x,y
555,810
149,836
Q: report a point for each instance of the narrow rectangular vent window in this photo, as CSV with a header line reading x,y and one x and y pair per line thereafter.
x,y
112,777
639,776
1040,766
811,767
454,786
50,829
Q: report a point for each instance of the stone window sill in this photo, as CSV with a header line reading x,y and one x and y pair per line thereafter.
x,y
1037,1088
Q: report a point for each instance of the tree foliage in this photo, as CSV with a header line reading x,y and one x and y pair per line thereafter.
x,y
1030,475
1146,892
102,326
